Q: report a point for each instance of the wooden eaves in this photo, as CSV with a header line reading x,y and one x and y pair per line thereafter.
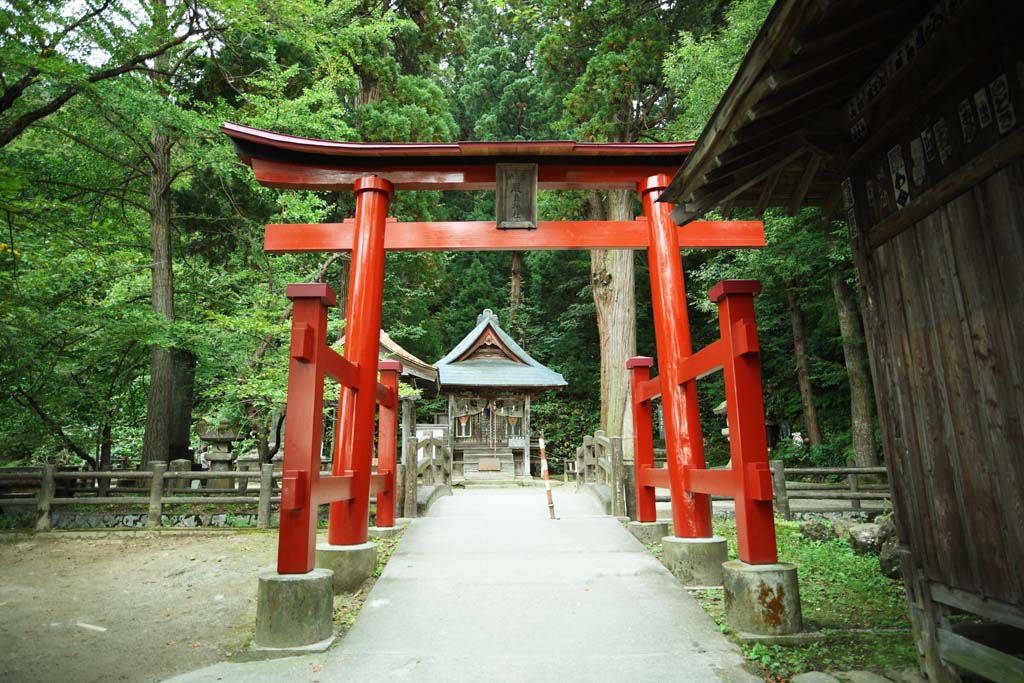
x,y
778,136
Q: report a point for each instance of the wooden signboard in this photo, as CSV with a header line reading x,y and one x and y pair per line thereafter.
x,y
490,465
517,196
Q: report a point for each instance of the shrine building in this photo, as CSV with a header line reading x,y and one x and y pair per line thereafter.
x,y
489,381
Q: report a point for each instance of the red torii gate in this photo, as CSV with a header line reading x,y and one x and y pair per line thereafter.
x,y
374,171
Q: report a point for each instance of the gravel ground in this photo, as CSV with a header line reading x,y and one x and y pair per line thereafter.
x,y
124,605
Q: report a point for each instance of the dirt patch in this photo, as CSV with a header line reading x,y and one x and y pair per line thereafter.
x,y
126,606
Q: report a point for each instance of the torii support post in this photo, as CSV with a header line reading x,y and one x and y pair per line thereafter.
x,y
349,520
748,482
302,487
684,445
383,484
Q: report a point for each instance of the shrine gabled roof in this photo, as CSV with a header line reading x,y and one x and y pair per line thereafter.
x,y
520,370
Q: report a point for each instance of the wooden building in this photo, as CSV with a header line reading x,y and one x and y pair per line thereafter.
x,y
905,118
489,381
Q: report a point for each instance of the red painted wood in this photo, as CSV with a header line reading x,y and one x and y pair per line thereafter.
x,y
385,396
748,445
339,369
643,442
387,440
656,477
283,238
303,428
648,390
332,488
551,175
684,445
379,483
701,364
460,152
349,519
726,287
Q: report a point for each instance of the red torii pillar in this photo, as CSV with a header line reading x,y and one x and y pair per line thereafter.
x,y
353,450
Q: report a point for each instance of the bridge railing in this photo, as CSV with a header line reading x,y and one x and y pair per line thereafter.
x,y
434,460
599,462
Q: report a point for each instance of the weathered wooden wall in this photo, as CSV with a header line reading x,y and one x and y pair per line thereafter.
x,y
948,302
944,310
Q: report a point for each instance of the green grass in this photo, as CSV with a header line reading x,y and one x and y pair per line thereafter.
x,y
861,612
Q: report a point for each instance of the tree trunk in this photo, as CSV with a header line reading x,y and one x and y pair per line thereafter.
x,y
182,399
516,296
862,416
612,285
516,299
803,371
106,446
156,442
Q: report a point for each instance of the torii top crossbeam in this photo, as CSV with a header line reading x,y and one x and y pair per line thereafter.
x,y
291,162
287,161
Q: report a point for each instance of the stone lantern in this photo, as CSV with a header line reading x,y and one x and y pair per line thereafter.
x,y
218,452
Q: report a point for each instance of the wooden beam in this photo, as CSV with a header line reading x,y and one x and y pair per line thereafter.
x,y
685,213
979,659
968,175
810,171
564,175
484,236
766,193
773,45
977,604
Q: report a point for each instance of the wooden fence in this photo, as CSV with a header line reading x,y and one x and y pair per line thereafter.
x,y
156,487
599,462
826,489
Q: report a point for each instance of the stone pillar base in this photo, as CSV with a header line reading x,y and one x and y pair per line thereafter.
x,y
762,599
351,564
695,561
648,532
385,531
294,611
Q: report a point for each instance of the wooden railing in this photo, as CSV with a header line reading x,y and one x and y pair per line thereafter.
x,y
853,489
599,461
435,466
157,487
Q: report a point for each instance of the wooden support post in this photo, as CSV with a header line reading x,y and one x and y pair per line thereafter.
x,y
181,466
156,492
408,427
691,511
618,502
854,485
47,487
779,487
349,519
580,467
400,471
411,475
629,488
266,493
643,444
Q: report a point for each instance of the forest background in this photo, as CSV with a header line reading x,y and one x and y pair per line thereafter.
x,y
135,297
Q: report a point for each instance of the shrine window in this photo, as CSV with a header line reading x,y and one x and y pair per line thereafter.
x,y
463,426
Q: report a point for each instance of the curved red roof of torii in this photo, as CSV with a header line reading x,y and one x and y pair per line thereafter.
x,y
290,161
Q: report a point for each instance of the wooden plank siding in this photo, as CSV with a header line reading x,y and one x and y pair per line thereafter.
x,y
946,315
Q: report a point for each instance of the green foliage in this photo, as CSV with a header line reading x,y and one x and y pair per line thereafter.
x,y
862,613
75,319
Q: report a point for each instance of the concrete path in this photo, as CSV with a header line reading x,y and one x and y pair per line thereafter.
x,y
487,588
